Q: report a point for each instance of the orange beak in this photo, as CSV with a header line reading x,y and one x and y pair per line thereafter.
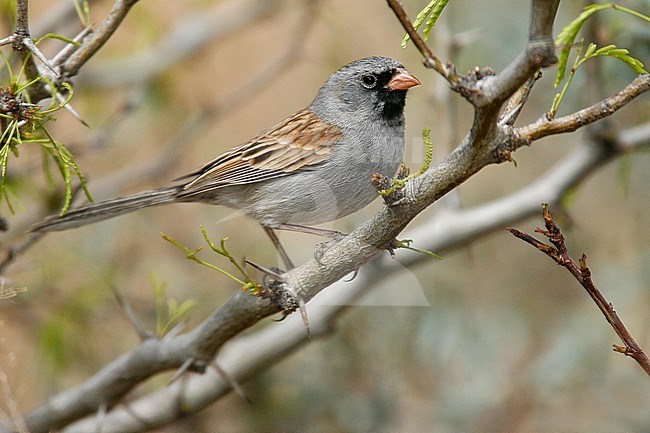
x,y
402,80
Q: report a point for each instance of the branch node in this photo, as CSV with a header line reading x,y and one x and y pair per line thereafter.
x,y
542,53
392,194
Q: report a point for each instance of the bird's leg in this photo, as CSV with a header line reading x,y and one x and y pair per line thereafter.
x,y
326,233
278,246
300,302
321,248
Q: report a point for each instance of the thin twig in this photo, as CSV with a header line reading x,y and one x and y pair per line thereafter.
x,y
8,40
185,367
545,127
27,42
16,250
231,381
130,314
101,416
429,59
22,19
515,104
69,49
558,252
97,39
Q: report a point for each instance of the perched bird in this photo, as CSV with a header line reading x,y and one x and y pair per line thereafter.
x,y
315,166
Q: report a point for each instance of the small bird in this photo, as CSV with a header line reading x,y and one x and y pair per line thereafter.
x,y
313,167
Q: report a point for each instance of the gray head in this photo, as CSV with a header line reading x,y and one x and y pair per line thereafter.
x,y
369,89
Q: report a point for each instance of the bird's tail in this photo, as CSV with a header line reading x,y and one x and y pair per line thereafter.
x,y
106,209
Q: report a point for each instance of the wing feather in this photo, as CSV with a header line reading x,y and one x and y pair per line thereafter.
x,y
299,142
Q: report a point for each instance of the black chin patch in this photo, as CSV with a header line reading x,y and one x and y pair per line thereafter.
x,y
394,102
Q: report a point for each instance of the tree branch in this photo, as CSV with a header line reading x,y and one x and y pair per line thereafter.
x,y
539,53
558,252
248,355
97,39
243,310
545,127
486,144
21,42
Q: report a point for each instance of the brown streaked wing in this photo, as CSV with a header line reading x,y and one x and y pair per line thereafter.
x,y
300,141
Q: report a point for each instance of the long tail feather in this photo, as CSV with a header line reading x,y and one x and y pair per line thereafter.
x,y
107,209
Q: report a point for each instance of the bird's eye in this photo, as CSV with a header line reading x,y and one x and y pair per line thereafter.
x,y
368,81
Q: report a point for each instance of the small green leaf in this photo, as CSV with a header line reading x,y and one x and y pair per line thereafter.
x,y
169,316
590,50
567,36
633,63
83,11
432,11
621,54
60,105
65,161
435,14
407,244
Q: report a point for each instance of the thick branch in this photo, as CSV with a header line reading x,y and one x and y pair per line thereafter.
x,y
480,148
448,231
237,314
539,53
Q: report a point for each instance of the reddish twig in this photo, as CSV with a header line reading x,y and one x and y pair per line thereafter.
x,y
558,252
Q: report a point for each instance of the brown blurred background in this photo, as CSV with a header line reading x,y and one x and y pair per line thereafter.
x,y
509,342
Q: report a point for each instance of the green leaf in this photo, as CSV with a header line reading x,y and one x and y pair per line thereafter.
x,y
590,50
176,311
83,11
435,14
567,36
623,55
65,161
61,104
432,11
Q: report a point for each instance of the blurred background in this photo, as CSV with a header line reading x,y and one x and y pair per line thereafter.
x,y
496,337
